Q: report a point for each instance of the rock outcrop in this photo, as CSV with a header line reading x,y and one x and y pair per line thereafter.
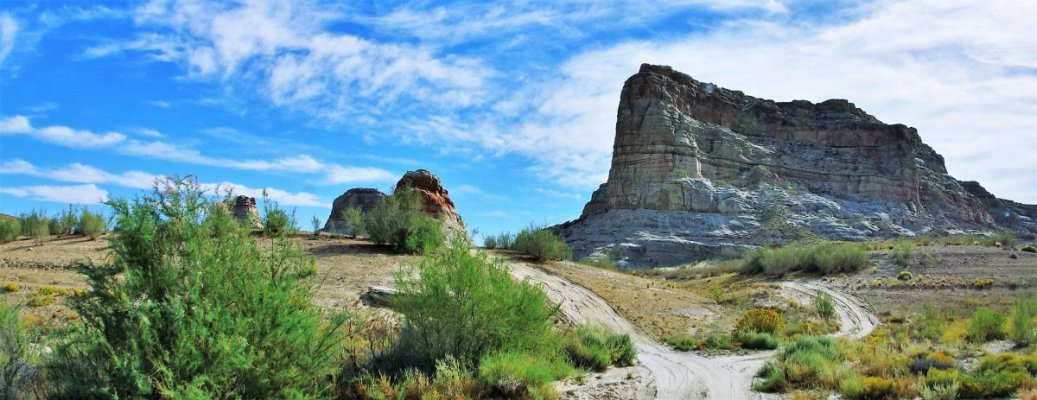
x,y
435,199
364,199
246,212
699,171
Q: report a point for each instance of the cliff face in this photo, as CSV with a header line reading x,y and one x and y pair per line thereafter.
x,y
700,170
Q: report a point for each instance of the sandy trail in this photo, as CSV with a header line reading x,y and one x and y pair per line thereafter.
x,y
681,375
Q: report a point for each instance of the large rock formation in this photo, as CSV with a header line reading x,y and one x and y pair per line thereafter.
x,y
699,171
246,212
435,199
364,199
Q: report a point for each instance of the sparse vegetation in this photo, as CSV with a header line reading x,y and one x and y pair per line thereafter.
x,y
35,226
823,258
595,348
399,222
277,222
1022,331
602,261
20,360
315,223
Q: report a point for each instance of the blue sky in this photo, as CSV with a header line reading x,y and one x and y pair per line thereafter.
x,y
511,103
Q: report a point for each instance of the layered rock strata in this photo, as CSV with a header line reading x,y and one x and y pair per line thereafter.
x,y
700,171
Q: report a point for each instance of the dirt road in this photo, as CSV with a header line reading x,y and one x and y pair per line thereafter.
x,y
671,374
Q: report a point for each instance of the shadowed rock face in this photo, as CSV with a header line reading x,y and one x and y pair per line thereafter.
x,y
246,212
698,170
365,199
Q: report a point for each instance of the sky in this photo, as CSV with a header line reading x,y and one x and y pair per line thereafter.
x,y
511,103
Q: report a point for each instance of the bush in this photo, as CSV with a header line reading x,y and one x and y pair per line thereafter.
x,y
399,222
542,244
602,261
594,348
1029,249
277,222
190,306
986,325
984,384
824,304
902,254
315,223
823,258
810,361
10,228
1022,321
905,276
519,375
489,242
19,373
758,341
760,320
875,388
91,224
467,306
35,225
354,220
505,240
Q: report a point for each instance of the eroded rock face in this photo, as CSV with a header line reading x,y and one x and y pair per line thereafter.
x,y
698,170
246,212
364,199
435,199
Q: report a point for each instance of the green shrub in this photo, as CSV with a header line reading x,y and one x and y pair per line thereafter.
x,y
1002,238
465,305
1022,321
905,276
989,384
277,222
1029,249
824,258
758,341
717,293
602,261
399,222
489,242
824,304
683,342
190,306
91,224
10,228
760,320
542,244
315,223
35,225
902,253
808,362
19,370
593,347
519,375
718,341
986,325
354,220
505,240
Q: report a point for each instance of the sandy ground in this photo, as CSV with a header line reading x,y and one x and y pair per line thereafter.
x,y
664,373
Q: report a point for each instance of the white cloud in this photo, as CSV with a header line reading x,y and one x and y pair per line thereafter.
x,y
148,132
468,189
8,33
293,61
161,103
80,173
15,124
69,137
282,197
78,194
337,174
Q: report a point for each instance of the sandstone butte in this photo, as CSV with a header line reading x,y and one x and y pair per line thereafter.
x,y
699,171
435,202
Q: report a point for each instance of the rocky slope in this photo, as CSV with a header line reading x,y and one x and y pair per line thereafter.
x,y
699,171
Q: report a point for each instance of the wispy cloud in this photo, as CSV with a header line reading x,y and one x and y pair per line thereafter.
x,y
79,173
159,150
8,34
77,194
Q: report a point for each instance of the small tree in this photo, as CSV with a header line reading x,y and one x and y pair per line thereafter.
x,y
400,222
354,220
35,225
824,304
10,228
191,307
91,224
277,222
542,244
315,222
